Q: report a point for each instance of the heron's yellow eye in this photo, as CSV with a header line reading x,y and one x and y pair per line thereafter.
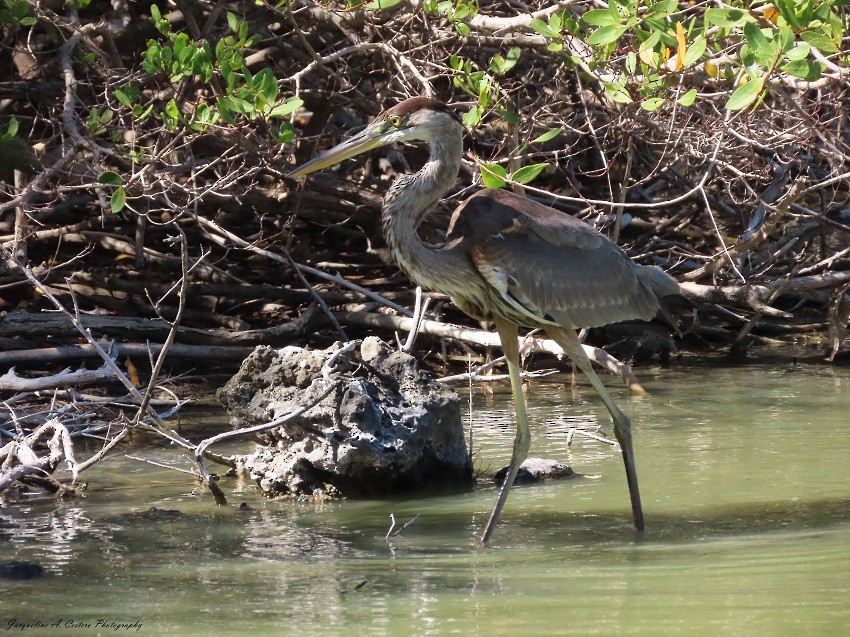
x,y
395,121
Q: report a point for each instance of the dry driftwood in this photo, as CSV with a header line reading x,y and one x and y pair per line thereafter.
x,y
490,339
29,324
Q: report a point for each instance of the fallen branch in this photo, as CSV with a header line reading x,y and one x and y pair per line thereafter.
x,y
10,381
489,339
121,350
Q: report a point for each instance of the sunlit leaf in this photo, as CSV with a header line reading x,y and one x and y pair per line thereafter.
x,y
599,17
493,175
819,41
652,103
290,105
543,28
727,17
471,117
606,35
688,98
527,174
695,51
617,93
805,69
799,52
233,22
547,136
785,39
745,94
756,38
118,200
377,5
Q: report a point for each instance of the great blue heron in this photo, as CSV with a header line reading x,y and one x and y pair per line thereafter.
x,y
506,259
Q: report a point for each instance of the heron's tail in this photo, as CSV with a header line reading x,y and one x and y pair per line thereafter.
x,y
663,285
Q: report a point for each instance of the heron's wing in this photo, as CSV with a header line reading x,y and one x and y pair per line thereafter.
x,y
552,267
489,212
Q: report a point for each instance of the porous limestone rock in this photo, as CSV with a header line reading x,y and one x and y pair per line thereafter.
x,y
386,426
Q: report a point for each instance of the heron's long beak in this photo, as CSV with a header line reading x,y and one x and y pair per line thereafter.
x,y
360,143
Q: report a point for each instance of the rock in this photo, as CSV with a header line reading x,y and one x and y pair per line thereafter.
x,y
386,427
537,470
18,569
159,515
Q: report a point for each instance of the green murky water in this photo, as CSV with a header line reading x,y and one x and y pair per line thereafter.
x,y
745,475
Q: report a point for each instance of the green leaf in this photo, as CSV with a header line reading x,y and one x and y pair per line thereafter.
x,y
493,175
819,41
529,173
377,5
512,57
471,117
664,9
806,69
548,135
233,22
543,28
606,35
755,37
617,93
788,11
599,17
745,94
118,200
652,103
785,39
728,18
12,128
267,85
110,178
290,105
497,64
172,109
695,51
27,22
688,98
799,52
122,97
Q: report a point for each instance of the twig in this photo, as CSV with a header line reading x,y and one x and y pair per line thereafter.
x,y
587,434
393,531
303,268
161,464
201,449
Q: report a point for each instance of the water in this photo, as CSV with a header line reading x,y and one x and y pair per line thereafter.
x,y
744,475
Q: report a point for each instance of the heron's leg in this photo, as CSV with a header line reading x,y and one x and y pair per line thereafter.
x,y
568,340
510,346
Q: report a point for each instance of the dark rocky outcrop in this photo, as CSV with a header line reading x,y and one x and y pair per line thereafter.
x,y
387,426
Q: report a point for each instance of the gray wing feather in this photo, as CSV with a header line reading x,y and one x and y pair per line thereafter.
x,y
577,287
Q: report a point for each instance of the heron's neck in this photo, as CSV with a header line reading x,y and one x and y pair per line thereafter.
x,y
409,201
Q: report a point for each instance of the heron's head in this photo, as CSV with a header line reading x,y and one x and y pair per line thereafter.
x,y
417,118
